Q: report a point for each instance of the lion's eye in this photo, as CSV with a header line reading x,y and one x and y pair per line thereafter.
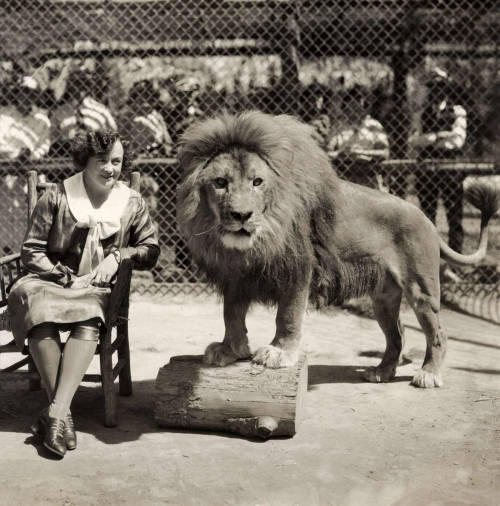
x,y
220,182
257,181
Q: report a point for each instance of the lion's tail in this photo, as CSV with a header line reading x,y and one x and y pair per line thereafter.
x,y
487,199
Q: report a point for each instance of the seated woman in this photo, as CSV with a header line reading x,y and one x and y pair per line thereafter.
x,y
79,232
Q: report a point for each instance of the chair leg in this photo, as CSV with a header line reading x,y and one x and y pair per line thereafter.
x,y
34,384
125,376
105,355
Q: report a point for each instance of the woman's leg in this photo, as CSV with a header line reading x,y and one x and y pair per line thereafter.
x,y
78,353
45,347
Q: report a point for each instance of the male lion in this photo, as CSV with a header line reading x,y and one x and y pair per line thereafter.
x,y
267,219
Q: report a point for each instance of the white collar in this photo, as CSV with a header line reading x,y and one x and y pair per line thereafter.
x,y
108,215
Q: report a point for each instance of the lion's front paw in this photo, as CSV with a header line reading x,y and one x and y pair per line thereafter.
x,y
426,379
241,349
219,354
380,374
274,357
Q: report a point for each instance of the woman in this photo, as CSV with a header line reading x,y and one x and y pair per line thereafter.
x,y
359,142
80,230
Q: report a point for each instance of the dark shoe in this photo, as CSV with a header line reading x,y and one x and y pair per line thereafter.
x,y
69,433
54,435
38,428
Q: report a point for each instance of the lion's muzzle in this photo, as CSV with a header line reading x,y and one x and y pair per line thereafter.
x,y
238,234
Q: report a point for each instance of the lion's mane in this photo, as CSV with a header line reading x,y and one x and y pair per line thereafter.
x,y
299,215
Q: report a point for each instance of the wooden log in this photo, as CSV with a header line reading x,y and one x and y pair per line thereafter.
x,y
242,398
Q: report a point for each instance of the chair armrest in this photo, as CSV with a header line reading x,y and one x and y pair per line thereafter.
x,y
9,258
118,300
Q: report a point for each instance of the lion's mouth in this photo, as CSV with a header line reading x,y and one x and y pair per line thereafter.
x,y
241,239
241,232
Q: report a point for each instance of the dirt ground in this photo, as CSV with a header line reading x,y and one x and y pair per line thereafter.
x,y
358,443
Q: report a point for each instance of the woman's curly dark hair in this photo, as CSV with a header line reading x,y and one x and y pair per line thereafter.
x,y
91,143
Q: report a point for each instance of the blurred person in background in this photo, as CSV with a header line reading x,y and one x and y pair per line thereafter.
x,y
24,125
79,109
24,136
443,135
395,120
487,146
144,123
315,108
149,138
183,107
358,142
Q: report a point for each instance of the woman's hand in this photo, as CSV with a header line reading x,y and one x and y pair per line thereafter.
x,y
104,272
81,281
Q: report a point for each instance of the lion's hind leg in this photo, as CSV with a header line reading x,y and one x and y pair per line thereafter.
x,y
386,305
426,307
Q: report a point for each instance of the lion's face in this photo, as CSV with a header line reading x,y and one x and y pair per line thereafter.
x,y
249,184
235,186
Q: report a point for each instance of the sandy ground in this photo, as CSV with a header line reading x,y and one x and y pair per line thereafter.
x,y
358,444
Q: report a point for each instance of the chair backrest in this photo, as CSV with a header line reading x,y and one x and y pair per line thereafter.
x,y
36,187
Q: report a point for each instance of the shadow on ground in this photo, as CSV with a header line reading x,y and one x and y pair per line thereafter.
x,y
19,406
479,371
459,339
19,409
324,374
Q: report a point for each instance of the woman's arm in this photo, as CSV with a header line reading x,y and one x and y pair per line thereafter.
x,y
34,251
143,247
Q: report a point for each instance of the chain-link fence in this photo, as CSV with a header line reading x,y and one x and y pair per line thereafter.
x,y
404,96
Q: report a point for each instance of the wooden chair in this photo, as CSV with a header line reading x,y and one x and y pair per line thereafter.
x,y
116,323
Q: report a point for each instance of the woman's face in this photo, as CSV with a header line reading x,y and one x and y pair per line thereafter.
x,y
102,170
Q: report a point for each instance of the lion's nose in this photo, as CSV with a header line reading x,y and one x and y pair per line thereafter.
x,y
241,216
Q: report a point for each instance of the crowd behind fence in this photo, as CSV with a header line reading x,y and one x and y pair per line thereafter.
x,y
404,95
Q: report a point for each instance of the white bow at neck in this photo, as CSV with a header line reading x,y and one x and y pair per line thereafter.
x,y
102,222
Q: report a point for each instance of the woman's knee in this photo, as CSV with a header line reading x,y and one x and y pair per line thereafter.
x,y
87,330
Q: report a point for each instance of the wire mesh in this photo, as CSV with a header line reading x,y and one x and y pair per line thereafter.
x,y
404,95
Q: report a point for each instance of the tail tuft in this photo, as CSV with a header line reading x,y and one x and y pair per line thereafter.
x,y
484,197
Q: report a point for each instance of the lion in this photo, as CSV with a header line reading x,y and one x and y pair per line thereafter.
x,y
267,220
